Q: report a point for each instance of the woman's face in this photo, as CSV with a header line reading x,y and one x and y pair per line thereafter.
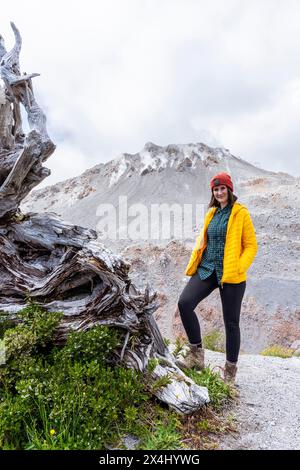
x,y
221,193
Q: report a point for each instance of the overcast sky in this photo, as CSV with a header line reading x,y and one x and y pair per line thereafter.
x,y
116,74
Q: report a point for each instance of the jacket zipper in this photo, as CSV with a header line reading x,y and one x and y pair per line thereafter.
x,y
228,227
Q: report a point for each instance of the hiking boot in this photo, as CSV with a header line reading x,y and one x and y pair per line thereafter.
x,y
193,358
230,372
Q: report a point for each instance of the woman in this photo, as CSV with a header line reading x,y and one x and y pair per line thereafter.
x,y
223,253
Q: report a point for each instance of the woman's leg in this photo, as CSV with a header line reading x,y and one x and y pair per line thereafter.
x,y
195,290
231,297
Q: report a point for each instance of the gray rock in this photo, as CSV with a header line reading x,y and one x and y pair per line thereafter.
x,y
131,442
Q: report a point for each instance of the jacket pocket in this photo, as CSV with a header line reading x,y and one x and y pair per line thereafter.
x,y
240,268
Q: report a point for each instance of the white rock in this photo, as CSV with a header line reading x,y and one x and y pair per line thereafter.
x,y
296,344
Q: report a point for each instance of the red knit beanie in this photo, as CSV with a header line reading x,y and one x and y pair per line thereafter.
x,y
221,178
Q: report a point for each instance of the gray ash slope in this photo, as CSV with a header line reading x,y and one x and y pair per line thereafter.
x,y
181,174
171,174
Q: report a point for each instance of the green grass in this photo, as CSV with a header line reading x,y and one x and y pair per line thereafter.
x,y
164,432
76,397
278,351
214,341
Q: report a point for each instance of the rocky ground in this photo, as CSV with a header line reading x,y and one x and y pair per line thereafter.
x,y
180,174
267,412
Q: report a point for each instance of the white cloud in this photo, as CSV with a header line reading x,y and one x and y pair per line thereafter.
x,y
118,73
66,160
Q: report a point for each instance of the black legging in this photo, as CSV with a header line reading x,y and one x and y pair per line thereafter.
x,y
231,296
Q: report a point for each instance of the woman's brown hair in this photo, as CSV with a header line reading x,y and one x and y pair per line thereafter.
x,y
231,199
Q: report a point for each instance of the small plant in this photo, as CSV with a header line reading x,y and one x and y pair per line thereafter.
x,y
180,343
214,341
152,363
204,425
19,217
161,382
218,390
165,436
163,430
278,351
133,341
216,426
130,414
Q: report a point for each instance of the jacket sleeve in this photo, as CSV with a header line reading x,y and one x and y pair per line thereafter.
x,y
249,244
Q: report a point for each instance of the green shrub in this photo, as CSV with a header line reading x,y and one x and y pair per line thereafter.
x,y
34,331
75,396
278,351
67,397
5,323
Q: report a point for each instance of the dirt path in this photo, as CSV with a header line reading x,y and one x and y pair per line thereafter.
x,y
268,408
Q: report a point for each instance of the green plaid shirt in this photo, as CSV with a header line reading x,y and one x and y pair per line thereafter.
x,y
212,257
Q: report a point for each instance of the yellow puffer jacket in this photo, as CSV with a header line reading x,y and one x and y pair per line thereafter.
x,y
240,245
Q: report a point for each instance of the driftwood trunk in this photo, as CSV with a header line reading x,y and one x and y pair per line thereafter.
x,y
65,267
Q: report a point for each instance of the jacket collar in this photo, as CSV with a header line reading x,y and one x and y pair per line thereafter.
x,y
237,206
